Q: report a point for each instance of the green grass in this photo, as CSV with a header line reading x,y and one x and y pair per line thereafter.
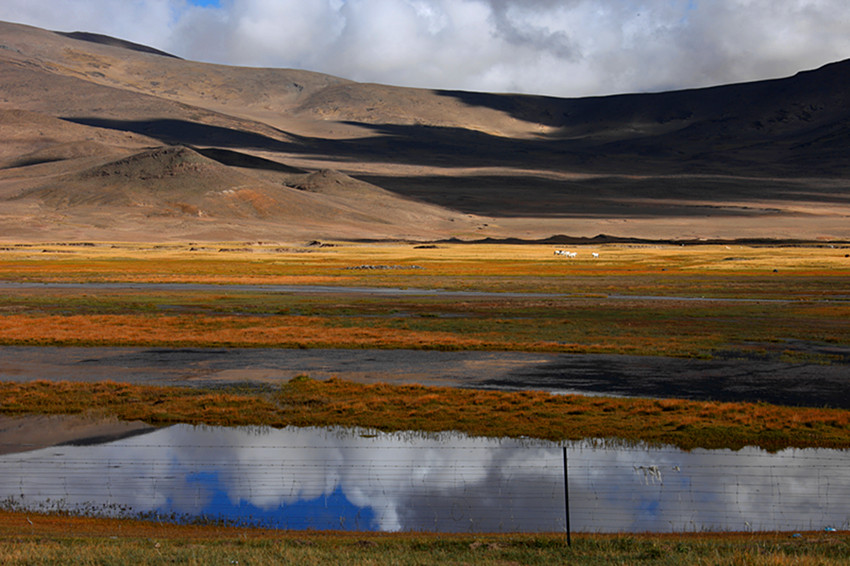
x,y
32,538
246,547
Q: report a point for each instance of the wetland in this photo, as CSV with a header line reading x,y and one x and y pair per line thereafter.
x,y
712,347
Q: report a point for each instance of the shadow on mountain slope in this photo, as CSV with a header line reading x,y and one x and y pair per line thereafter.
x,y
815,96
238,159
641,177
184,132
603,196
699,149
424,146
114,42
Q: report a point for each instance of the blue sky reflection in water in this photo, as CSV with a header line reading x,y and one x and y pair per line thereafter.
x,y
330,479
326,512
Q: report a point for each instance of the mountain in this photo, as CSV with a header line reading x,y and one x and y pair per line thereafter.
x,y
107,139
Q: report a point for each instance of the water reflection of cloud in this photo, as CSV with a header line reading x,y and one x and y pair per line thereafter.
x,y
445,483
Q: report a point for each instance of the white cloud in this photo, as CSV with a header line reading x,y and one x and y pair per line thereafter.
x,y
568,48
148,22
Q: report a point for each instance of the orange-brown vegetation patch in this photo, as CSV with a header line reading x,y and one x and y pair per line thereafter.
x,y
285,331
154,405
686,424
281,331
306,402
159,271
15,524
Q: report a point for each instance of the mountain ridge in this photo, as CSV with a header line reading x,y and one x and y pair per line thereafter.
x,y
750,160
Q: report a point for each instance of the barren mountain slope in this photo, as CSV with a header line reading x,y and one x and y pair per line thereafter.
x,y
81,168
764,159
176,180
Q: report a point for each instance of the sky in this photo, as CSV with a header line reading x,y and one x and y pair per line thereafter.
x,y
553,47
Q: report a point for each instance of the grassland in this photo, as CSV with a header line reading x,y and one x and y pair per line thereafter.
x,y
39,539
645,300
685,301
625,268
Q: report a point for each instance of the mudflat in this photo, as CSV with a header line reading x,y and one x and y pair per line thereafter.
x,y
730,380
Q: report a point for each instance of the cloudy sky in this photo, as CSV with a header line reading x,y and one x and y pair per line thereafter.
x,y
556,47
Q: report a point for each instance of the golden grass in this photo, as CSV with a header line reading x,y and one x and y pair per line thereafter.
x,y
575,325
306,402
274,263
197,330
31,538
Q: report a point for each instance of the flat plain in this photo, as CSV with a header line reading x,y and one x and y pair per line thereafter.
x,y
682,301
784,307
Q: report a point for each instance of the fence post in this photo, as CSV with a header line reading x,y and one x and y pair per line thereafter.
x,y
567,499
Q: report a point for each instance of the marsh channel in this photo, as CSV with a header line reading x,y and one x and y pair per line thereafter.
x,y
727,376
769,380
364,480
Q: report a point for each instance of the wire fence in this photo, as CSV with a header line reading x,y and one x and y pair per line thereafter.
x,y
313,479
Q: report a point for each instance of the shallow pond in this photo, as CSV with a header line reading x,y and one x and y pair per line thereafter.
x,y
301,478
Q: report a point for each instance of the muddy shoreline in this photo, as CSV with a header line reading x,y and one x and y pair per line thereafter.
x,y
769,379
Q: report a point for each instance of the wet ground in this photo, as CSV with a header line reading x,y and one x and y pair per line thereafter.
x,y
766,378
771,381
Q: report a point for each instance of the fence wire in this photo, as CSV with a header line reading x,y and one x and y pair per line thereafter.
x,y
363,482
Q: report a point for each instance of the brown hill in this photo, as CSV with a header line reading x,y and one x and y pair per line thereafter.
x,y
108,139
178,183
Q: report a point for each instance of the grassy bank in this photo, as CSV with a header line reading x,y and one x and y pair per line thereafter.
x,y
307,402
39,539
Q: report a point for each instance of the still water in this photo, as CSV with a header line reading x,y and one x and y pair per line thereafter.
x,y
309,478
